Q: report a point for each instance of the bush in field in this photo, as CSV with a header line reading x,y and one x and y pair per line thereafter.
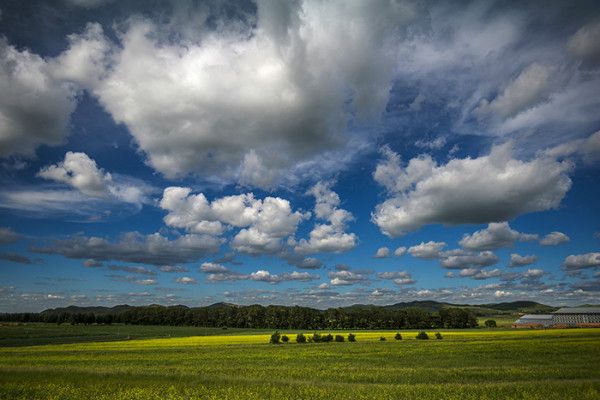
x,y
300,338
339,338
382,339
398,336
328,338
316,338
285,339
490,323
422,335
275,338
438,336
351,337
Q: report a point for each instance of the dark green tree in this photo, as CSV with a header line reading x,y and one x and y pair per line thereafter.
x,y
300,338
490,323
275,338
422,335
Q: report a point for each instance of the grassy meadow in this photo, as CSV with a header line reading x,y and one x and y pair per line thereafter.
x,y
474,364
502,321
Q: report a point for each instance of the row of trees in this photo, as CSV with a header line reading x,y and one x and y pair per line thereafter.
x,y
257,316
277,338
74,318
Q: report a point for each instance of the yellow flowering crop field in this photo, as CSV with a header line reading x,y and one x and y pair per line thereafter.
x,y
474,364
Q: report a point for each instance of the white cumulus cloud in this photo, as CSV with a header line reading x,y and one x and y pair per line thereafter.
x,y
81,172
517,260
382,252
461,259
254,98
581,261
264,223
186,280
331,236
554,239
495,236
400,251
35,107
489,188
429,250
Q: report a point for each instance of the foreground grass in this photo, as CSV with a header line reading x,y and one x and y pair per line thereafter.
x,y
553,364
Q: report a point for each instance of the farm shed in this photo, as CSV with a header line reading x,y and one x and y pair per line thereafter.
x,y
534,321
577,316
565,317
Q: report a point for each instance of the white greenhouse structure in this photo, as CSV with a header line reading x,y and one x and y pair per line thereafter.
x,y
564,317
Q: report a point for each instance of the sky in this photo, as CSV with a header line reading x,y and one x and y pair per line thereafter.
x,y
319,153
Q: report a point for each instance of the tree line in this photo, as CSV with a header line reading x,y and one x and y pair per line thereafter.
x,y
257,316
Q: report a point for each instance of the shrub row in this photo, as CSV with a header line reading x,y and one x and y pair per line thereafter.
x,y
277,338
314,338
424,336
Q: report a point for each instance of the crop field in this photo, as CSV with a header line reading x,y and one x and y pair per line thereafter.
x,y
29,334
475,364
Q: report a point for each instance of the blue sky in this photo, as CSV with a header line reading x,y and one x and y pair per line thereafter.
x,y
313,153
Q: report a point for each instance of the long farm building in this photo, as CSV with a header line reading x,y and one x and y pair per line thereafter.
x,y
566,317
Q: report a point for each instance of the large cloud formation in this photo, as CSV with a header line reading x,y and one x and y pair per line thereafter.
x,y
257,96
39,94
249,98
253,98
264,223
505,70
35,107
493,187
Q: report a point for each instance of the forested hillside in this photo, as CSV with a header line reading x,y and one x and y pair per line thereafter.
x,y
257,316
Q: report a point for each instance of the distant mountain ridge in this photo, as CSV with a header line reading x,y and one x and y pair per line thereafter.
x,y
98,310
513,307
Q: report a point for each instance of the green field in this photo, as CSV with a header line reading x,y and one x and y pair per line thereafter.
x,y
475,364
30,334
502,321
12,334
